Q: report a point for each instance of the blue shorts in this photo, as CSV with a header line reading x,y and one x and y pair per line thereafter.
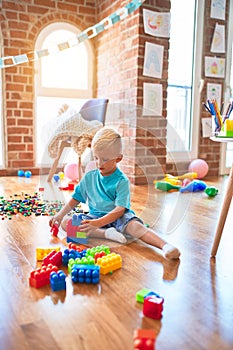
x,y
120,224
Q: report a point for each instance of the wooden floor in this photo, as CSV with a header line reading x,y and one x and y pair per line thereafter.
x,y
198,291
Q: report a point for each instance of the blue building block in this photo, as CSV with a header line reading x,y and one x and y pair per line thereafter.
x,y
70,254
85,274
58,280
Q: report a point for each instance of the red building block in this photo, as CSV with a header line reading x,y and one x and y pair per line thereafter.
x,y
54,258
54,230
144,339
79,248
40,277
153,307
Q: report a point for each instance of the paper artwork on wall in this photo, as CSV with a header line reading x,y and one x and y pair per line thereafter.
x,y
218,9
153,60
206,127
214,92
157,23
152,99
218,41
214,67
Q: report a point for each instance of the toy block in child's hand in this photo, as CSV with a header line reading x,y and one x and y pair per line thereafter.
x,y
54,230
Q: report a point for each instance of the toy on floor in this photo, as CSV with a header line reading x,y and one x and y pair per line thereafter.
x,y
166,186
153,307
58,280
85,274
41,276
54,258
28,174
56,177
42,252
189,175
211,191
200,167
20,173
144,339
71,171
194,186
109,263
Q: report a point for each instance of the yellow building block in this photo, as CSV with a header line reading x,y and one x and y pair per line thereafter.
x,y
42,252
109,263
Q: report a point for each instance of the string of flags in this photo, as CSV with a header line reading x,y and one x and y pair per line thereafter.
x,y
88,33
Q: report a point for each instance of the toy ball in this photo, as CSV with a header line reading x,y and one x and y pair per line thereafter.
x,y
90,166
61,175
20,173
71,171
200,167
28,174
56,177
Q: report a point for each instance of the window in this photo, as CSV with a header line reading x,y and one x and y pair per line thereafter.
x,y
184,77
62,77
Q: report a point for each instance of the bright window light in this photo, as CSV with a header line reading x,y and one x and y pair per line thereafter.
x,y
67,69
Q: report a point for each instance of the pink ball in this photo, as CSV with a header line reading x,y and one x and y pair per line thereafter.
x,y
71,171
200,167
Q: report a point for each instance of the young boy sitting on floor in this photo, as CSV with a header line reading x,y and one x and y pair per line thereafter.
x,y
107,192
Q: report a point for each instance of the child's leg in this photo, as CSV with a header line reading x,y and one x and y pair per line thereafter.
x,y
138,230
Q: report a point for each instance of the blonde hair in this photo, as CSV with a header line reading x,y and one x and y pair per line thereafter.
x,y
106,139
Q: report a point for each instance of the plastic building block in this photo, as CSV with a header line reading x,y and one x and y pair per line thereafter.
x,y
144,339
58,280
76,219
153,307
98,249
40,277
70,254
54,258
73,233
76,247
85,260
141,294
99,255
85,274
41,253
109,263
54,230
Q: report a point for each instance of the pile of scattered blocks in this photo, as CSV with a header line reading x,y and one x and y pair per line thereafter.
x,y
84,265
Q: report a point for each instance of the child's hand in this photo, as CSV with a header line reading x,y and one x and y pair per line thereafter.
x,y
55,220
89,226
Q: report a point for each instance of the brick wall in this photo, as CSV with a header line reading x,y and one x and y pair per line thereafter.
x,y
21,22
120,57
120,61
